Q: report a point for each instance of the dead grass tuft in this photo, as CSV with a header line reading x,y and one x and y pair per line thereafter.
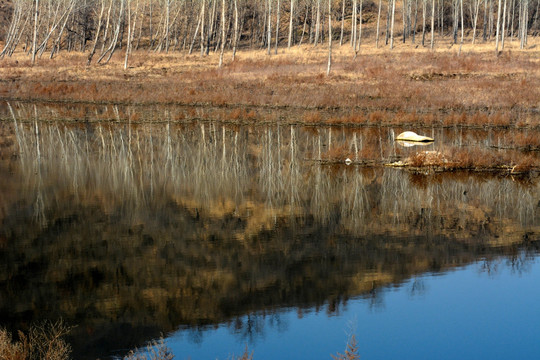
x,y
155,350
351,352
43,341
427,158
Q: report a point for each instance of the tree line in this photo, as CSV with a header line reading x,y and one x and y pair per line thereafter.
x,y
101,27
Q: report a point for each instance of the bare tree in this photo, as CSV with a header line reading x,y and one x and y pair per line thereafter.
x,y
392,26
378,23
278,11
318,23
222,33
498,28
291,17
132,22
269,34
432,24
329,38
96,37
34,50
342,22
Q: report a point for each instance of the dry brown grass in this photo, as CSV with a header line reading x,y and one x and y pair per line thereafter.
x,y
43,341
407,81
155,350
475,159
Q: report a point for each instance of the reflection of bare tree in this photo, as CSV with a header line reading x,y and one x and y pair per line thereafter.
x,y
211,169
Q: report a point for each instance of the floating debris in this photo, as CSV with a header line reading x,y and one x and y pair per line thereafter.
x,y
348,161
412,137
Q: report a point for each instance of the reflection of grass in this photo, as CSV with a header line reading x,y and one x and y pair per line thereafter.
x,y
351,352
155,350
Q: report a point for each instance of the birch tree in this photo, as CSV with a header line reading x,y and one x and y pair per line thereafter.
x,y
222,33
329,67
291,17
34,50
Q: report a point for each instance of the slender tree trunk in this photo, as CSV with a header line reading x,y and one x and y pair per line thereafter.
x,y
342,23
498,28
202,26
441,12
34,50
166,37
56,45
475,19
524,24
512,22
388,17
462,31
490,32
359,42
304,26
415,21
211,24
222,33
107,23
353,24
432,24
392,25
424,9
404,16
112,47
128,44
378,25
269,34
291,23
278,10
329,38
235,29
485,25
194,38
318,24
503,26
96,39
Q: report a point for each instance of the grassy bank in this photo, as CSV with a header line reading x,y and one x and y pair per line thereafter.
x,y
405,79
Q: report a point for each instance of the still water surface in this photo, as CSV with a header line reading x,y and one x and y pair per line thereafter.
x,y
220,236
469,313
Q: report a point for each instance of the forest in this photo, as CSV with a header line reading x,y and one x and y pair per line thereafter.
x,y
43,28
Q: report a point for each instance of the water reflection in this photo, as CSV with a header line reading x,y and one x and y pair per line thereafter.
x,y
129,230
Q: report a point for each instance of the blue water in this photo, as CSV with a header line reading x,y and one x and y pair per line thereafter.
x,y
468,313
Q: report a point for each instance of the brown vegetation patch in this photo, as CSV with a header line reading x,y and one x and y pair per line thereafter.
x,y
377,81
471,160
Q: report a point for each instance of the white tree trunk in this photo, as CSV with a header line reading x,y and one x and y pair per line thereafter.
x,y
378,24
291,25
432,24
222,33
392,25
329,67
34,41
498,28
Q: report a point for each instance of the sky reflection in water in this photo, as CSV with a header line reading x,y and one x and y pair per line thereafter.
x,y
476,312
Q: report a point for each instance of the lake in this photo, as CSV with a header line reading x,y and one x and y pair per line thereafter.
x,y
215,236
